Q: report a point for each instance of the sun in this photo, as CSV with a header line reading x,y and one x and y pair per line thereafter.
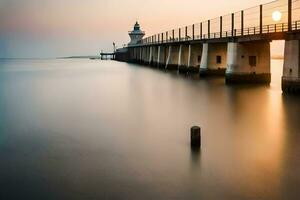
x,y
276,16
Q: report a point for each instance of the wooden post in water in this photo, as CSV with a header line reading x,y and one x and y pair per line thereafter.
x,y
196,137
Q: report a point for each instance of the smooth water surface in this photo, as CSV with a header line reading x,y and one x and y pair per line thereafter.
x,y
82,129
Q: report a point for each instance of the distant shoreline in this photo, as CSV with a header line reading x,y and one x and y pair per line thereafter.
x,y
79,57
274,57
54,58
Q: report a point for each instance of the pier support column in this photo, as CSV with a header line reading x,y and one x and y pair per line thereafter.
x,y
194,59
291,67
150,55
172,59
140,55
145,55
158,56
213,59
135,54
130,54
248,62
183,58
161,56
155,56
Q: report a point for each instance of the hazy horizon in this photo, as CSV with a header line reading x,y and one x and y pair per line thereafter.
x,y
52,28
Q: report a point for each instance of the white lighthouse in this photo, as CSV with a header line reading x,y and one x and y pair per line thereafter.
x,y
136,35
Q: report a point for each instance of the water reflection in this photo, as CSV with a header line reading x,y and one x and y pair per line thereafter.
x,y
78,129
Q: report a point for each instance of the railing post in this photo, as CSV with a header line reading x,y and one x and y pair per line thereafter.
x,y
201,30
173,34
162,38
289,15
221,26
260,19
179,34
167,36
193,31
158,36
208,28
242,22
186,33
232,24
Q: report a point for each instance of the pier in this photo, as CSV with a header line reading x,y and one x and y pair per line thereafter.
x,y
236,46
107,56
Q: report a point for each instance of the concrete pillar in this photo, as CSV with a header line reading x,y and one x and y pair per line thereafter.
x,y
150,55
162,56
169,56
183,58
134,54
154,55
213,59
173,55
189,56
158,56
248,62
291,67
144,58
194,58
130,54
138,55
141,54
148,49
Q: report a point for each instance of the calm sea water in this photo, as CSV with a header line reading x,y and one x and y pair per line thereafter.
x,y
82,129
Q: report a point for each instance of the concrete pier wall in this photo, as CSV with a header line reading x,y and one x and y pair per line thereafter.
x,y
162,56
150,56
145,55
248,62
195,53
172,58
154,56
140,55
213,59
183,58
291,67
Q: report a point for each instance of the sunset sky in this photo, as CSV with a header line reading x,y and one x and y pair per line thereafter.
x,y
51,28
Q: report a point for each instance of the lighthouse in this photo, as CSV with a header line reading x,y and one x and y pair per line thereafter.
x,y
136,35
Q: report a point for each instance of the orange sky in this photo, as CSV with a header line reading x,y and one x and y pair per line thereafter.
x,y
41,28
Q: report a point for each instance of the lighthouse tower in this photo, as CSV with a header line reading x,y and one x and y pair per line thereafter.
x,y
136,35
